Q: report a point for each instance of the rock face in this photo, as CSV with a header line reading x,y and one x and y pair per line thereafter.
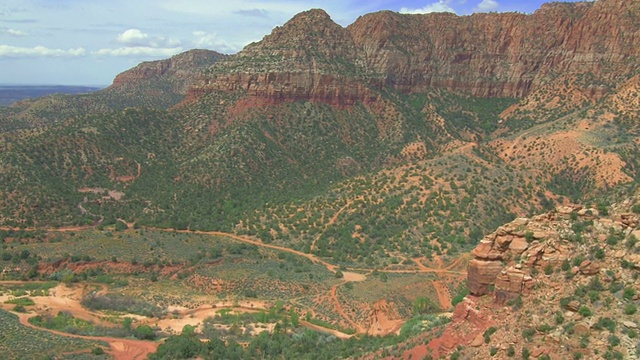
x,y
512,282
181,69
486,55
309,58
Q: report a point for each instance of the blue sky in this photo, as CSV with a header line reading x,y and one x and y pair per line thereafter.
x,y
88,42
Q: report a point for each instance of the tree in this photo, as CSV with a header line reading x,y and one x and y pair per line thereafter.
x,y
294,317
424,305
121,225
144,332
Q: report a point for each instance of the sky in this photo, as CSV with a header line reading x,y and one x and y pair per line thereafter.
x,y
88,42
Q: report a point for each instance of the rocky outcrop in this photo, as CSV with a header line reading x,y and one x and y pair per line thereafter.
x,y
467,323
503,260
507,243
486,55
576,262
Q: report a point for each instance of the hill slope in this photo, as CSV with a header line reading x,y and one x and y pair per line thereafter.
x,y
155,84
336,140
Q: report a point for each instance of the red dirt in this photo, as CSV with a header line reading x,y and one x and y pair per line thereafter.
x,y
340,310
443,294
468,322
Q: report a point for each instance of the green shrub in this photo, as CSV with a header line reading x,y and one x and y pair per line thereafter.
x,y
603,208
613,340
528,333
121,226
584,311
606,323
529,236
487,334
628,293
599,253
144,332
612,240
615,286
545,328
22,301
515,303
630,309
548,270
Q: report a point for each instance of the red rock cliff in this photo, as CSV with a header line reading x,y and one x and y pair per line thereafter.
x,y
487,55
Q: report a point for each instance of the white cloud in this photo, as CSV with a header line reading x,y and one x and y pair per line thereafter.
x,y
213,41
488,5
139,51
440,6
136,38
9,51
13,32
132,36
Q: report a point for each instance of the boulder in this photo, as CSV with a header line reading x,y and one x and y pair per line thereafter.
x,y
503,242
477,341
564,211
581,329
537,352
573,306
486,251
629,220
518,245
630,325
520,222
481,275
589,213
588,268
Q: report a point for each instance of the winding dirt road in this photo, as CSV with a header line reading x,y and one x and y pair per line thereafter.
x,y
340,310
331,222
